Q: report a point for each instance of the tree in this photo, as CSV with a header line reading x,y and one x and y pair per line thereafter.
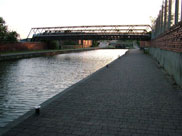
x,y
3,29
153,21
5,35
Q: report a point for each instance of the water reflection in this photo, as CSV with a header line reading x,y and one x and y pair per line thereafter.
x,y
28,82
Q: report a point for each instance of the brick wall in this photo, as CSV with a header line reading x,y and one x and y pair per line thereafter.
x,y
24,46
170,40
144,44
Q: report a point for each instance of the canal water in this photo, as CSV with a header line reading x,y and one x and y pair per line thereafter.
x,y
26,83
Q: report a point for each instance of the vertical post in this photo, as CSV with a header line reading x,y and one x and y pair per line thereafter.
x,y
158,31
165,15
156,27
153,34
61,44
176,11
169,14
154,31
159,20
181,10
83,42
162,20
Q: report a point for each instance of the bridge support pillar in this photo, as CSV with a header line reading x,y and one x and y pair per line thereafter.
x,y
81,43
61,43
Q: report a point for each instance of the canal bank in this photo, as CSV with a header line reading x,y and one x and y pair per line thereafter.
x,y
13,56
131,96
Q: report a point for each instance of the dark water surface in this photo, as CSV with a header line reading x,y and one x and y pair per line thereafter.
x,y
26,83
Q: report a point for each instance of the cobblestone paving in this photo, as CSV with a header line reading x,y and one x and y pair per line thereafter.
x,y
132,97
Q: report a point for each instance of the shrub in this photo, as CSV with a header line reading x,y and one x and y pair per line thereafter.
x,y
54,45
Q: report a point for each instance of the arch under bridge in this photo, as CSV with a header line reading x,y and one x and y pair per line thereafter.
x,y
96,32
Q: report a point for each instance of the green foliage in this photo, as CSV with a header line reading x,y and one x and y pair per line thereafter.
x,y
54,45
138,43
5,35
146,50
2,20
12,36
95,43
70,42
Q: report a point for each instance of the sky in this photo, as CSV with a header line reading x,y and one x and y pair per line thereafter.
x,y
22,15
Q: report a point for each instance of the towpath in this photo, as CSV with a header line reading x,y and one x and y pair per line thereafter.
x,y
132,97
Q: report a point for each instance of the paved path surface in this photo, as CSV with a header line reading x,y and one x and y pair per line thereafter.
x,y
130,98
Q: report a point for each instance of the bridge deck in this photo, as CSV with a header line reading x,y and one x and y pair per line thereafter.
x,y
132,97
91,36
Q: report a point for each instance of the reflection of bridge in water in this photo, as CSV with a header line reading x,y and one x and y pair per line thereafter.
x,y
100,32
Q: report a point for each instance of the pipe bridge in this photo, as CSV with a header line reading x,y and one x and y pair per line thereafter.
x,y
96,32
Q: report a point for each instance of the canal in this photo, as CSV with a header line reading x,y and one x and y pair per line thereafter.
x,y
26,83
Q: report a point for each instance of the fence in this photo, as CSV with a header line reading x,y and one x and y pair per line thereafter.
x,y
169,15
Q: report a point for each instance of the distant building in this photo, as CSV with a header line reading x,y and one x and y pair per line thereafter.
x,y
85,43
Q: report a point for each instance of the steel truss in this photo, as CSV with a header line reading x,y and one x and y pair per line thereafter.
x,y
90,32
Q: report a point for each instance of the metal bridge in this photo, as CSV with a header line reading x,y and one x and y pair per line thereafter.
x,y
96,32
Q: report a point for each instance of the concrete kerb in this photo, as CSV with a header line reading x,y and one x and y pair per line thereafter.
x,y
47,102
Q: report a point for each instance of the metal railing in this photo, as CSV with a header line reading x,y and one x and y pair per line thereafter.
x,y
169,15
